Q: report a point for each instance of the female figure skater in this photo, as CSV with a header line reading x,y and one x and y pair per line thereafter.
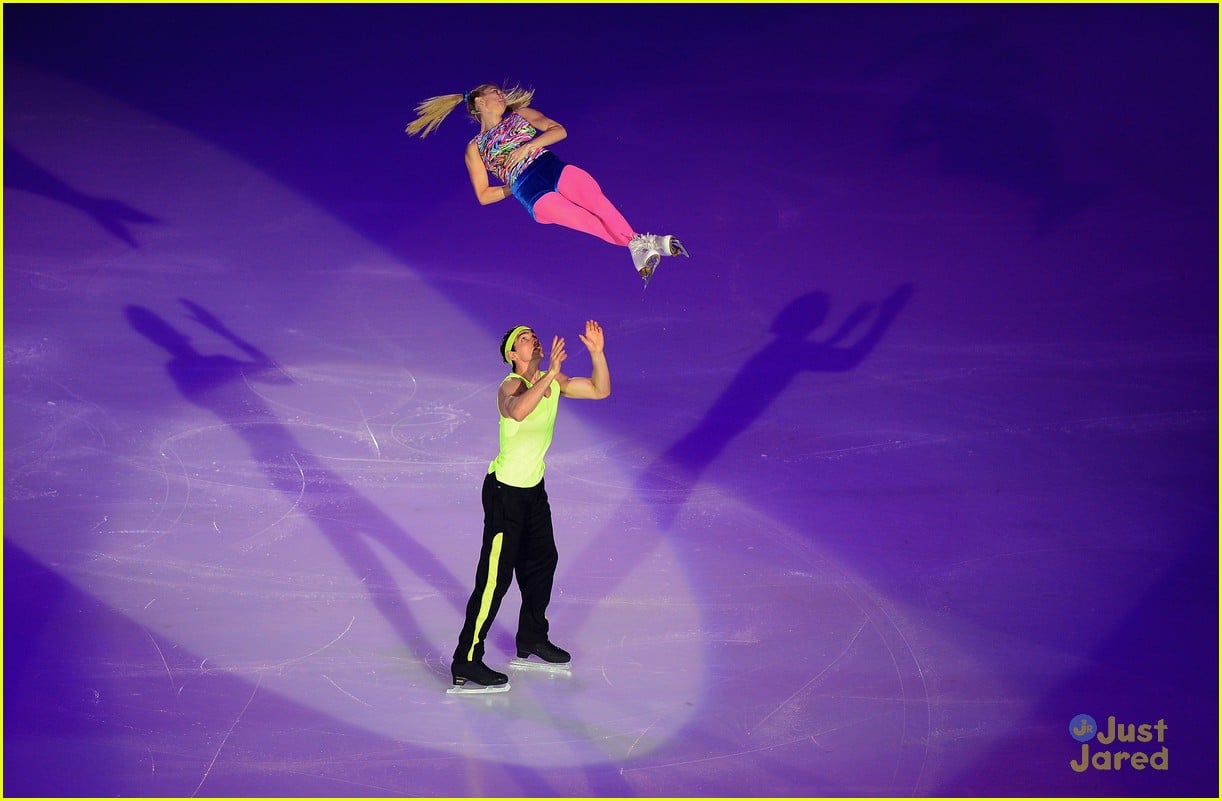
x,y
512,145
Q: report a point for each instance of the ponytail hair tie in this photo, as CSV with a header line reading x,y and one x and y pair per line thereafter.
x,y
466,97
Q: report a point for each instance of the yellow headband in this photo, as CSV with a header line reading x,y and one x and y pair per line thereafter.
x,y
511,339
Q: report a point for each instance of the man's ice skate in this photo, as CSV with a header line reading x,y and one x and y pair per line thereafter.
x,y
554,660
476,678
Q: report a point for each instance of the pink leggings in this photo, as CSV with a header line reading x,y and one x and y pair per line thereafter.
x,y
579,203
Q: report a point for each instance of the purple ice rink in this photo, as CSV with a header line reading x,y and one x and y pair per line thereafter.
x,y
909,466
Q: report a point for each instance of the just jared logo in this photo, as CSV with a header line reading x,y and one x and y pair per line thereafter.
x,y
1084,729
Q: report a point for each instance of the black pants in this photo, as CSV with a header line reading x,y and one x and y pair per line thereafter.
x,y
518,539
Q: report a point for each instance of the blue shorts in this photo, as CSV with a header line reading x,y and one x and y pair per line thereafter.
x,y
541,177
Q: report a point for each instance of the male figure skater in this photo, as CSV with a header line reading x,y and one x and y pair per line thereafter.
x,y
518,534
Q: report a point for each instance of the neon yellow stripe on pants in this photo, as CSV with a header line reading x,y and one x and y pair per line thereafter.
x,y
485,601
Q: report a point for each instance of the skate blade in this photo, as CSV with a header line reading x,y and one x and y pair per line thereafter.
x,y
477,689
649,278
543,667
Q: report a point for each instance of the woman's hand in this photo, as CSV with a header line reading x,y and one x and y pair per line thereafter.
x,y
550,132
525,151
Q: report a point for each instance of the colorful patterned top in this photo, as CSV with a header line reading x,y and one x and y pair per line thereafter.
x,y
496,143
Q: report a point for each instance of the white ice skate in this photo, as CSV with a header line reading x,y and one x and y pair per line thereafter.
x,y
655,246
667,245
644,255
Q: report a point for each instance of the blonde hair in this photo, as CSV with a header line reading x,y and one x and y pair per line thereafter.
x,y
430,112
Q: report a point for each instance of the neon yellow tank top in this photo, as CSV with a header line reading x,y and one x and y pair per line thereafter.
x,y
524,444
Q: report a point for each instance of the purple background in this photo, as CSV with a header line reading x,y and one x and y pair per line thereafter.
x,y
912,462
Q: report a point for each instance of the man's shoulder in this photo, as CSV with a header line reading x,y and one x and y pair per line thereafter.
x,y
513,382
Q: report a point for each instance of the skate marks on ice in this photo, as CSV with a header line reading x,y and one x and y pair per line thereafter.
x,y
357,529
978,381
282,529
255,464
833,675
668,481
821,697
359,667
706,543
769,373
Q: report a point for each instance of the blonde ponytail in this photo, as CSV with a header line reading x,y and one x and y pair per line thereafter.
x,y
430,113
